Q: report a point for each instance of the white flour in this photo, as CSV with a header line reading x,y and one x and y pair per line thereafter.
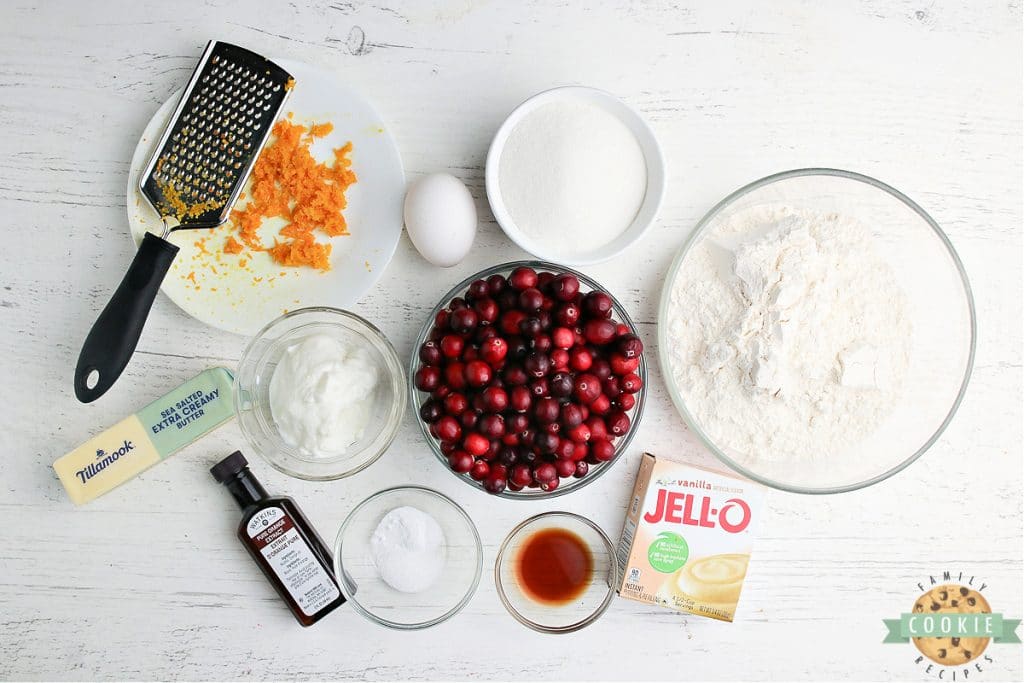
x,y
408,549
572,176
789,333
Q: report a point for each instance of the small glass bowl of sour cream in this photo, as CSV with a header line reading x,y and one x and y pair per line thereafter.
x,y
336,402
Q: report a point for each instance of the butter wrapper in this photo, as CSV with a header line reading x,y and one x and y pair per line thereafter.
x,y
140,441
687,538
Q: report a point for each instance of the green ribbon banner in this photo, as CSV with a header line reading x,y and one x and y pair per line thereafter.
x,y
945,625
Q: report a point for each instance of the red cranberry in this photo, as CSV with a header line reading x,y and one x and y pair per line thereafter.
x,y
448,429
428,378
629,345
568,315
442,392
580,434
598,429
539,388
494,483
492,426
492,451
430,353
531,327
478,373
611,387
494,349
602,450
469,419
563,338
448,447
436,334
560,360
511,320
514,376
441,319
517,422
622,329
542,343
618,423
480,470
456,304
564,287
486,309
460,461
537,364
580,450
581,470
495,399
520,399
546,410
455,403
464,320
515,487
560,385
517,347
454,375
588,388
566,448
631,383
521,475
452,345
545,472
626,401
599,331
597,304
546,442
523,278
549,485
478,289
601,405
621,365
552,427
530,299
565,467
580,359
507,300
475,444
495,284
431,410
484,333
545,319
571,415
602,369
507,456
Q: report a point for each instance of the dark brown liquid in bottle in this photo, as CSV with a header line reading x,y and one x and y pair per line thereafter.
x,y
554,566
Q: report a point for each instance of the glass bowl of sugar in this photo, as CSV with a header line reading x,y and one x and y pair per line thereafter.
x,y
408,558
574,175
817,331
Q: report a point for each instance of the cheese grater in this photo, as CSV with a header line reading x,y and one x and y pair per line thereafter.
x,y
199,168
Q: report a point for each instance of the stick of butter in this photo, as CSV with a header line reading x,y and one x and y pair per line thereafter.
x,y
140,441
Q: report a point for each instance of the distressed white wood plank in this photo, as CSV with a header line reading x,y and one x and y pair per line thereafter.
x,y
149,582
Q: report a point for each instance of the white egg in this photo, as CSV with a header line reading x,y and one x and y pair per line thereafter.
x,y
440,217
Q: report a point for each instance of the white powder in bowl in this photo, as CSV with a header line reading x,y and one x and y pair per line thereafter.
x,y
408,549
572,176
789,333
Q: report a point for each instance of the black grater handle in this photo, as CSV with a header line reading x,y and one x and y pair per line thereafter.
x,y
113,337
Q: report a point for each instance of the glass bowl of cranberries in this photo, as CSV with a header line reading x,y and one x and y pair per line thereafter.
x,y
528,380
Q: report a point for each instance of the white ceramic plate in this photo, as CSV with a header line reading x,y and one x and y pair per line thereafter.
x,y
213,287
656,175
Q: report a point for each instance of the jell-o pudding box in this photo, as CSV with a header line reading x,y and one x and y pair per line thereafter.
x,y
687,538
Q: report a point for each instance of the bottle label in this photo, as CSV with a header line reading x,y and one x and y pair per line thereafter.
x,y
275,536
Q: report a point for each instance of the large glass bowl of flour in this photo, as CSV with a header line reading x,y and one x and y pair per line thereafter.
x,y
817,331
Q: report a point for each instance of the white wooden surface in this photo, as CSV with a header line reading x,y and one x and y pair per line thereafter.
x,y
149,582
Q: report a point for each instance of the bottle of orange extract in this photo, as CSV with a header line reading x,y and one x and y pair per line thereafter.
x,y
282,542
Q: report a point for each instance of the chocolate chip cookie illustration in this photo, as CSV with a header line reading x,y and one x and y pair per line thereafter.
x,y
951,599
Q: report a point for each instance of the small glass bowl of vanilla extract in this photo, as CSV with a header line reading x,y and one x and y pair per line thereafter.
x,y
556,572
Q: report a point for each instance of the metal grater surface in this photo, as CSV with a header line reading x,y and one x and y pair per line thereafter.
x,y
214,136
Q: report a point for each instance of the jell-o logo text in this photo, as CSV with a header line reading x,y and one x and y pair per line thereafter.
x,y
676,507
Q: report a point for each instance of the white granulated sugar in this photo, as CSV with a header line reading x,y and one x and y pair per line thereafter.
x,y
408,549
790,336
572,176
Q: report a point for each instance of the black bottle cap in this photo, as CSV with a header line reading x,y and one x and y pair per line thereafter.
x,y
229,467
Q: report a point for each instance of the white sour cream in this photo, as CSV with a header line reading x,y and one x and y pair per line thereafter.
x,y
321,395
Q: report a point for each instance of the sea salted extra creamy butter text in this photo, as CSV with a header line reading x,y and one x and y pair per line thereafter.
x,y
687,538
